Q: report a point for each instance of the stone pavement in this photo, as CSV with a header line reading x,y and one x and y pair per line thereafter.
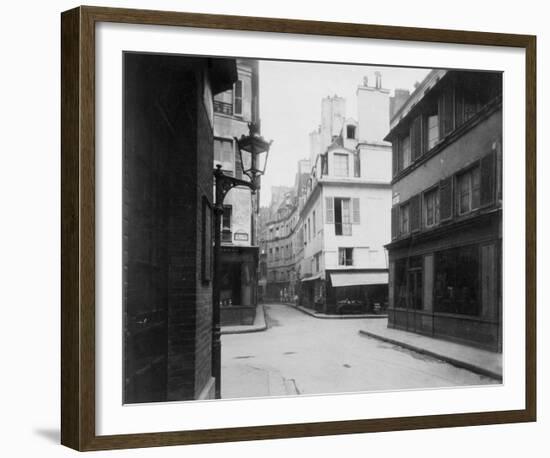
x,y
258,325
249,381
476,360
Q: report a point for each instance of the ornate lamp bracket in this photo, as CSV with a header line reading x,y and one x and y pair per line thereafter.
x,y
225,183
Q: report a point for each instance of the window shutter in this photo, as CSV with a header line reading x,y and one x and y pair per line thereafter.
x,y
238,98
416,138
394,149
329,203
395,222
414,213
446,199
487,169
459,107
446,112
356,211
238,165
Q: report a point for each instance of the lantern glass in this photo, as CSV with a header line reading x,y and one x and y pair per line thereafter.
x,y
253,150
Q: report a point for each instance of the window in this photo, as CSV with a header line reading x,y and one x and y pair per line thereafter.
x,y
456,284
270,254
404,219
431,208
223,151
342,216
432,127
226,223
238,98
350,132
345,256
317,257
341,166
308,230
468,191
314,223
276,253
408,285
404,155
223,103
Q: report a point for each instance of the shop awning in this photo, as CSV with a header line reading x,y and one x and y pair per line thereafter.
x,y
315,277
358,278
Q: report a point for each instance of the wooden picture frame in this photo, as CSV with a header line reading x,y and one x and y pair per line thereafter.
x,y
78,227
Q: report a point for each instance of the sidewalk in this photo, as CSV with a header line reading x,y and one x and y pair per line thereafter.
x,y
260,382
259,324
334,317
473,359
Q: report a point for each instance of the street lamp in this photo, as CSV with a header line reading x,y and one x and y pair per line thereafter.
x,y
253,152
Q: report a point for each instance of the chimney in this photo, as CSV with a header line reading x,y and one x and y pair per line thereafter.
x,y
400,96
378,76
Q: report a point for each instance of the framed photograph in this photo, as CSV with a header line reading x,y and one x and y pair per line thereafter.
x,y
279,228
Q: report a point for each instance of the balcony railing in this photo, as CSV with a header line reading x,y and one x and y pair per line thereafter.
x,y
223,107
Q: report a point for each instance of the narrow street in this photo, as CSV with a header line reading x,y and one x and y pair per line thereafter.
x,y
300,354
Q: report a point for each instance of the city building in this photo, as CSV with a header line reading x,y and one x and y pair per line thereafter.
x,y
233,110
282,238
345,211
446,249
167,208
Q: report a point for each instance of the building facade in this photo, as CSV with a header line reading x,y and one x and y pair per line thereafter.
x,y
345,215
233,110
282,238
446,249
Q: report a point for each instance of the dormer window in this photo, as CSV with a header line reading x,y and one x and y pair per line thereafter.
x,y
350,132
341,165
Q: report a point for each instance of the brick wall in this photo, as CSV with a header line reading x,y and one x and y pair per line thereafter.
x,y
168,169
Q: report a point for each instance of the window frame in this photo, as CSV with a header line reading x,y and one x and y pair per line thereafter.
x,y
468,171
239,98
335,164
348,260
433,190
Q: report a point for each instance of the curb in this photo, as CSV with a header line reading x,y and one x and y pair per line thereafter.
x,y
455,362
323,316
244,329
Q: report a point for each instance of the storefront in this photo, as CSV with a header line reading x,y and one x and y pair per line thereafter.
x,y
449,287
238,280
357,291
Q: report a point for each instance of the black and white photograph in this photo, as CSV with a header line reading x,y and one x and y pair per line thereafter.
x,y
300,228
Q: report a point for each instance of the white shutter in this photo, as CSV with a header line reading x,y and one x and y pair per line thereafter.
x,y
329,204
356,211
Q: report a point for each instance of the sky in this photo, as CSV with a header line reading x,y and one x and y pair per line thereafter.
x,y
290,107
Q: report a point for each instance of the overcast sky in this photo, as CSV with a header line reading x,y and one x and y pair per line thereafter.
x,y
290,107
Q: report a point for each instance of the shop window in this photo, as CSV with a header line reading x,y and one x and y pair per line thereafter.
x,y
456,285
400,284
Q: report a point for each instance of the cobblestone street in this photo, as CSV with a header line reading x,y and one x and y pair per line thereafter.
x,y
300,354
